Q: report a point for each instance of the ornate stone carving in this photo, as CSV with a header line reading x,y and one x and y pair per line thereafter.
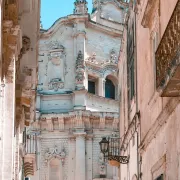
x,y
56,68
80,7
80,69
54,45
55,84
55,152
100,66
92,58
113,57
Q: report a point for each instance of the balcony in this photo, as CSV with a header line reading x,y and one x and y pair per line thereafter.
x,y
30,156
168,57
102,104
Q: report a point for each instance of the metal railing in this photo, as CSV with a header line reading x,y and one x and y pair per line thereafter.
x,y
30,142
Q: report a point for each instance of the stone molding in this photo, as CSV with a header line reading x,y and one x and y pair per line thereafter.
x,y
78,120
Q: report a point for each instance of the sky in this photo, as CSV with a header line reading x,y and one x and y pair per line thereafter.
x,y
51,10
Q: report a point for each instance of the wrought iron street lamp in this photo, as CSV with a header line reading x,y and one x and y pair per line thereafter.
x,y
111,150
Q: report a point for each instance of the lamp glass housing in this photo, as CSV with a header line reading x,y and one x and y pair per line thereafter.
x,y
104,145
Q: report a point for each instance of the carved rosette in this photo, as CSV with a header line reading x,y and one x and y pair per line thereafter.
x,y
80,70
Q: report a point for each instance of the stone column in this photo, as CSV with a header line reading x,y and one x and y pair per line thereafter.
x,y
8,126
80,173
89,157
71,158
101,87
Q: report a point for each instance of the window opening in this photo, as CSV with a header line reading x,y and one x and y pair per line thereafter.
x,y
91,87
109,89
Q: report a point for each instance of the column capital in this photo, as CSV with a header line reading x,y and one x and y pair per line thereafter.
x,y
80,134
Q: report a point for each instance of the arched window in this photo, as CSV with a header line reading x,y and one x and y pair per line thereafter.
x,y
109,89
54,169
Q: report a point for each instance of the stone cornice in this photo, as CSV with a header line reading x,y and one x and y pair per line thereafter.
x,y
84,114
73,19
160,121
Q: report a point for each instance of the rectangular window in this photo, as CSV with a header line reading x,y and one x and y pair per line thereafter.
x,y
91,87
130,60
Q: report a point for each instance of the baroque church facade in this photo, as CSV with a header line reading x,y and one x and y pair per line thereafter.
x,y
77,93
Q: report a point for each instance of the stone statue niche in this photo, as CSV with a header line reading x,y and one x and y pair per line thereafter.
x,y
56,67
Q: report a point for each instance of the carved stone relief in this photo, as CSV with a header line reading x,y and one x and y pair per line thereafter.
x,y
55,152
80,69
113,57
56,67
55,84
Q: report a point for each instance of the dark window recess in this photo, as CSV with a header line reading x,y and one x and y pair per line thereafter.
x,y
91,87
130,61
132,80
160,177
109,89
26,178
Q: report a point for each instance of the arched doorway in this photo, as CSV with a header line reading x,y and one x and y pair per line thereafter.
x,y
55,169
109,89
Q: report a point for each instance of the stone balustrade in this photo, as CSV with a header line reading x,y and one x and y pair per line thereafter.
x,y
168,57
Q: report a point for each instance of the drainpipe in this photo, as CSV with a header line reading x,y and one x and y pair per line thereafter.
x,y
137,108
